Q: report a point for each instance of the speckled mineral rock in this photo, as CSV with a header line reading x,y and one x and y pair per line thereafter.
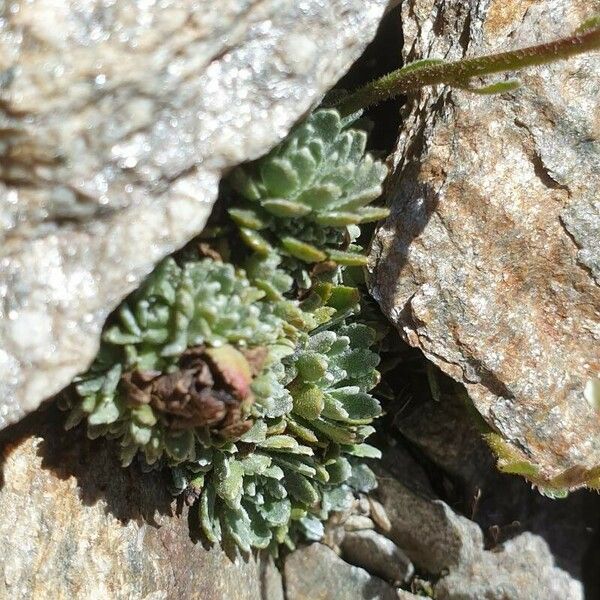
x,y
73,524
116,123
489,262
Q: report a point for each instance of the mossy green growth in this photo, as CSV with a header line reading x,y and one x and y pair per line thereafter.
x,y
301,198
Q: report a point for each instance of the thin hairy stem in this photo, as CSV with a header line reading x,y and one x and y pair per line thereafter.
x,y
431,72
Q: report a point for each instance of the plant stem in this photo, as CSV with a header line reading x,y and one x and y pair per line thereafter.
x,y
458,73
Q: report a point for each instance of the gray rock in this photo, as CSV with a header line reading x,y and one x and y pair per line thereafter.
x,y
116,122
443,543
523,569
378,555
73,524
488,262
428,531
317,573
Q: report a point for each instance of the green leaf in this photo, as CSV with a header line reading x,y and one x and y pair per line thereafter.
x,y
255,464
229,479
105,411
286,209
280,442
304,164
301,432
336,218
144,415
349,259
362,451
295,464
243,183
279,177
276,512
501,87
301,250
255,241
370,214
344,298
359,406
256,434
320,197
339,471
341,435
237,525
246,218
300,488
141,435
208,521
423,63
313,528
311,366
362,479
308,401
180,445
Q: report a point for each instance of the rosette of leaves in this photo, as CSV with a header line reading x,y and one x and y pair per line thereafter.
x,y
179,363
301,460
302,197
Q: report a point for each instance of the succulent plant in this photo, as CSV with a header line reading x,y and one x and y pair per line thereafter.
x,y
181,356
284,476
302,197
260,413
254,391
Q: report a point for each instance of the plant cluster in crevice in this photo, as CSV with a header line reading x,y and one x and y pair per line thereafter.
x,y
248,374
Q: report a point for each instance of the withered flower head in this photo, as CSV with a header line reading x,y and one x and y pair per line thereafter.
x,y
211,388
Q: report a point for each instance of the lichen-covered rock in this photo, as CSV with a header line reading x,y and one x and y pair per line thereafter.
x,y
488,262
317,572
117,121
73,524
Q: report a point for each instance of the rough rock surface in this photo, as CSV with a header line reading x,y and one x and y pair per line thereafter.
x,y
427,530
522,569
445,431
489,261
116,122
73,524
443,543
378,555
317,573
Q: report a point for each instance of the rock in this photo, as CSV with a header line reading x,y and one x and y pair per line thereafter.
x,y
489,260
448,432
317,573
358,523
378,555
428,531
73,524
502,505
441,542
522,570
116,123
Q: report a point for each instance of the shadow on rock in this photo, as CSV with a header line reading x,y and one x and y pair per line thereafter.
x,y
129,494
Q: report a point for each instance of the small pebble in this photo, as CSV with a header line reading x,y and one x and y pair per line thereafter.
x,y
378,514
358,523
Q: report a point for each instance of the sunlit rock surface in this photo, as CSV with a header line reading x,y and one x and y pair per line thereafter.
x,y
489,262
73,524
117,120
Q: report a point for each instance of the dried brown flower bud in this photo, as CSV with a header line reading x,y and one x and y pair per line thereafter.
x,y
210,389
